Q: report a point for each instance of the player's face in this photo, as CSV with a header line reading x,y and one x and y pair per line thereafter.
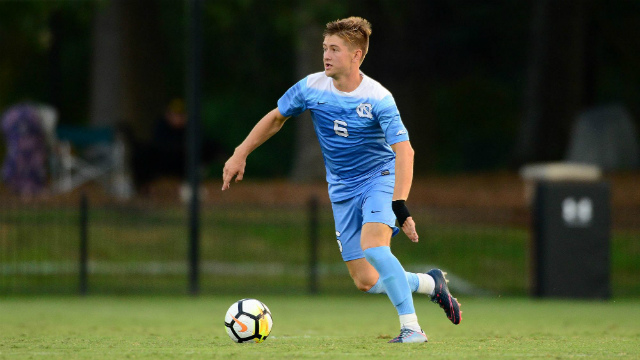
x,y
337,56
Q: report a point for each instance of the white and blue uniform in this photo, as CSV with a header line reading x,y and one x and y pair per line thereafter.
x,y
355,131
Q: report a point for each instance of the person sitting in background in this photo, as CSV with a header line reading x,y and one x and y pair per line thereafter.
x,y
165,154
25,166
169,140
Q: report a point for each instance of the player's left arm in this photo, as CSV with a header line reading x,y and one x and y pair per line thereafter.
x,y
404,178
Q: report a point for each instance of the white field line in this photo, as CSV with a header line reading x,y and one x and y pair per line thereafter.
x,y
37,268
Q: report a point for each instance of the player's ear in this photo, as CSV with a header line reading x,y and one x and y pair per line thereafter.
x,y
357,56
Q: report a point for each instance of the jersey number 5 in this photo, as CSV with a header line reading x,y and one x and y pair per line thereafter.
x,y
340,127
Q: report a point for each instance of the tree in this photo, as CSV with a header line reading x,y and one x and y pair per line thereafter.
x,y
106,84
556,78
308,164
143,94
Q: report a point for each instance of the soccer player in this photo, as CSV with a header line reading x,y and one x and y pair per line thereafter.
x,y
369,163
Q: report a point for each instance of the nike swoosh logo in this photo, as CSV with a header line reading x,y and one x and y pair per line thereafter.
x,y
321,102
372,211
243,327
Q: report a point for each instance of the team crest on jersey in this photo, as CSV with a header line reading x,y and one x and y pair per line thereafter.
x,y
364,110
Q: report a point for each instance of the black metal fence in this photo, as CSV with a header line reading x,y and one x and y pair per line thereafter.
x,y
86,245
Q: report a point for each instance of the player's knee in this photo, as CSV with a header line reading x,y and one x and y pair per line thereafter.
x,y
363,285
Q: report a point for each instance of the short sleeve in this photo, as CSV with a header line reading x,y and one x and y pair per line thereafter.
x,y
390,121
293,103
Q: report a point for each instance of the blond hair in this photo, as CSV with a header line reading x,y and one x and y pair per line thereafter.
x,y
354,30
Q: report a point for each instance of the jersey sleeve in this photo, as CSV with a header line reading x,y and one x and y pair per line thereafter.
x,y
390,121
293,102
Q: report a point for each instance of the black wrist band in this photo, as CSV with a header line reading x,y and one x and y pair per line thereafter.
x,y
401,211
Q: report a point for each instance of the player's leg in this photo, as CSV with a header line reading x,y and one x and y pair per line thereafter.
x,y
421,283
432,283
348,220
377,208
367,279
365,276
378,226
375,241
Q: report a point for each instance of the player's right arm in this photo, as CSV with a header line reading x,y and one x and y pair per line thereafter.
x,y
264,129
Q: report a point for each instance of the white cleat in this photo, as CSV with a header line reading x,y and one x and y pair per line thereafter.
x,y
410,336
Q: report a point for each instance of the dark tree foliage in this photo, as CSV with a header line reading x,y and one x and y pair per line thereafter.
x,y
44,54
459,69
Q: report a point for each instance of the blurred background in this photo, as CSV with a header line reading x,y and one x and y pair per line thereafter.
x,y
96,101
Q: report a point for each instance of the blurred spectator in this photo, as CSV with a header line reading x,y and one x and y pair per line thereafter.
x,y
25,165
165,154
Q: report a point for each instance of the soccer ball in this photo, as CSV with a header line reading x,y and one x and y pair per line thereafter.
x,y
248,320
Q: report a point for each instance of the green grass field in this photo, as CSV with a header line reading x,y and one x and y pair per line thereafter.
x,y
324,327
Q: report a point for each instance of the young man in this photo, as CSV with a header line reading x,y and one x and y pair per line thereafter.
x,y
369,163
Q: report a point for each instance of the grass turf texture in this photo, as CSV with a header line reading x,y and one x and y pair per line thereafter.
x,y
324,327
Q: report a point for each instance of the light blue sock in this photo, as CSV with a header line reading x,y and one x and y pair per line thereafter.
x,y
393,278
413,281
412,278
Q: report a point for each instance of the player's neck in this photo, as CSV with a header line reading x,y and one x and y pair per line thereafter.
x,y
348,82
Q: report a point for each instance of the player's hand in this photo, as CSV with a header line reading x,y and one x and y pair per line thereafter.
x,y
409,228
233,167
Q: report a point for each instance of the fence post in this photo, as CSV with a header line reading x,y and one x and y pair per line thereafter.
x,y
84,239
194,94
313,245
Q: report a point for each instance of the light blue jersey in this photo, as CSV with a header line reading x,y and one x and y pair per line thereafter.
x,y
355,129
